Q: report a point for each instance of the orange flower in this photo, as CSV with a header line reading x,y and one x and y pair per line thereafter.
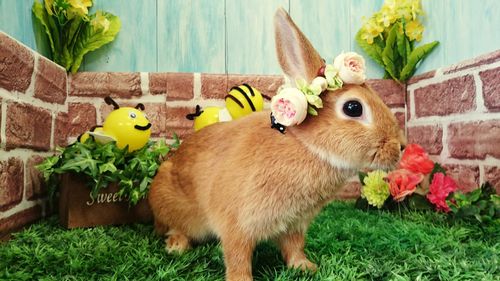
x,y
416,160
403,183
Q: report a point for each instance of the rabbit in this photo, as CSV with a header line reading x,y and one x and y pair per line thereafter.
x,y
243,182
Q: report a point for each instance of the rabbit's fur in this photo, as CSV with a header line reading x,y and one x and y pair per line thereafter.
x,y
244,182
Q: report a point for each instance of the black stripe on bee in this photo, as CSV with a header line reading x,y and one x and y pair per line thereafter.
x,y
249,89
244,95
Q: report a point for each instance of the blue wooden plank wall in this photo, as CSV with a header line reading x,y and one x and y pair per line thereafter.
x,y
235,36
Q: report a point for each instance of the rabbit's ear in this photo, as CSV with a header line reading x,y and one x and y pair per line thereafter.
x,y
296,55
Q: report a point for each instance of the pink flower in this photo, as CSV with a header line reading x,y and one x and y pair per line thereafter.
x,y
403,183
351,67
415,159
439,189
289,107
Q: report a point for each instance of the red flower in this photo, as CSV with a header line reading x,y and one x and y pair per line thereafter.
x,y
416,160
403,183
439,189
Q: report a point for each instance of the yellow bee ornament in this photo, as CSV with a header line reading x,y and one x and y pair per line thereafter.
x,y
127,126
240,101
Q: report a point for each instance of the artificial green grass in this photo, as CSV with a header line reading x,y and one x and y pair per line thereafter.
x,y
346,243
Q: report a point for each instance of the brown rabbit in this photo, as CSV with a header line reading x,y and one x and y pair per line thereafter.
x,y
244,182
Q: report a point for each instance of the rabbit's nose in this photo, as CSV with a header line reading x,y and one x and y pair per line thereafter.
x,y
403,147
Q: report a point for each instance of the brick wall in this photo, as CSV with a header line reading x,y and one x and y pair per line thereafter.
x,y
454,113
42,108
32,94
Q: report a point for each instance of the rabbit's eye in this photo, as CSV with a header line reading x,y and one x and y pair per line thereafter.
x,y
353,108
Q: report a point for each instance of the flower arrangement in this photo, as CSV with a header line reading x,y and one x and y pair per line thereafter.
x,y
71,32
389,38
419,183
292,104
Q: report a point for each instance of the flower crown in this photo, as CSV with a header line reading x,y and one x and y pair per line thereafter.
x,y
291,105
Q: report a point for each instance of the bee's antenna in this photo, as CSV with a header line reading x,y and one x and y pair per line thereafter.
x,y
266,97
140,106
197,113
110,101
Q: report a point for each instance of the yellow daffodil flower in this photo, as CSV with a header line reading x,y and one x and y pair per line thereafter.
x,y
414,30
100,22
78,8
375,188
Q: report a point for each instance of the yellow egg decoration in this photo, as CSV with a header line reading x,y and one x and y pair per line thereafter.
x,y
240,101
243,100
125,125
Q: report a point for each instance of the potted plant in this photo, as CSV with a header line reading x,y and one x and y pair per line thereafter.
x,y
101,184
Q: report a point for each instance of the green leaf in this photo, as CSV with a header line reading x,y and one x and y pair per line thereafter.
x,y
107,167
43,19
362,176
314,100
417,55
91,39
311,110
374,51
403,44
389,55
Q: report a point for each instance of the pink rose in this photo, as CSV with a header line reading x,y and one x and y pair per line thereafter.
x,y
439,189
415,159
403,183
289,107
351,67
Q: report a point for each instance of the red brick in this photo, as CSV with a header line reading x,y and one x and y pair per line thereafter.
x,y
11,183
420,77
266,84
492,174
28,127
180,86
1,103
158,83
177,86
213,86
177,121
35,185
20,219
61,130
16,65
400,116
455,95
81,117
481,60
474,140
466,177
102,84
50,82
491,88
350,190
392,93
155,112
429,137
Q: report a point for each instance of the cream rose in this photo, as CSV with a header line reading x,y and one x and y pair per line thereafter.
x,y
351,68
289,107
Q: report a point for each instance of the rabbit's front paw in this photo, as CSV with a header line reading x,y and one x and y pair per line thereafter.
x,y
303,264
177,243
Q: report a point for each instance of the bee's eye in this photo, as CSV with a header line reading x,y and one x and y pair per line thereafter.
x,y
132,115
353,108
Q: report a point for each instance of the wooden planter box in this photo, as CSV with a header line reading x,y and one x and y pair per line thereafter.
x,y
78,209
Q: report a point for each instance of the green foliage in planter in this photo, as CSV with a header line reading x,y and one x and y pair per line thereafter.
x,y
103,164
481,205
70,31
